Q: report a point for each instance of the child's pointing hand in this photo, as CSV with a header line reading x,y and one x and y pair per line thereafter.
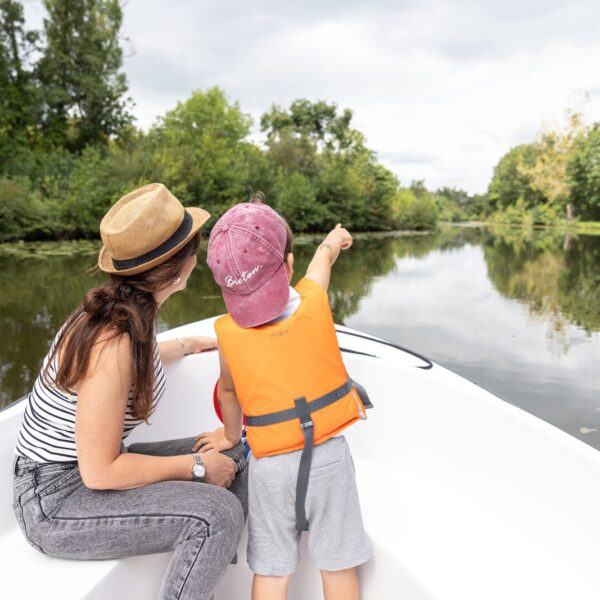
x,y
344,236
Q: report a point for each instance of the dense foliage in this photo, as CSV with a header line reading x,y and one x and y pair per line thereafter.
x,y
68,148
584,173
553,179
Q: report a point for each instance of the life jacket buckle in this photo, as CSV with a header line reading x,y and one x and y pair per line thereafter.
x,y
306,424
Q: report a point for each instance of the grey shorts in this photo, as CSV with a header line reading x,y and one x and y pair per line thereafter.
x,y
336,538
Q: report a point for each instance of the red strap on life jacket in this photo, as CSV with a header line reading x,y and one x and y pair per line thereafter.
x,y
218,406
216,402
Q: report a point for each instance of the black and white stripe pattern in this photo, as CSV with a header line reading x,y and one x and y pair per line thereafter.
x,y
48,428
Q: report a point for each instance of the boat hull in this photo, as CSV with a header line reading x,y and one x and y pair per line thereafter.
x,y
464,496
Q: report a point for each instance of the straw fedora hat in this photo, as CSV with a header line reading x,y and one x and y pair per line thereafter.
x,y
145,228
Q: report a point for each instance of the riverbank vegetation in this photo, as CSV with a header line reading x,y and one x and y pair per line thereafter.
x,y
69,146
552,180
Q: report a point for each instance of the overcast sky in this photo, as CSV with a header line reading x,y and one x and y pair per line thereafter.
x,y
441,89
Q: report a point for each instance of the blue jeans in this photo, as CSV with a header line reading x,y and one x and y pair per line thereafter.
x,y
200,523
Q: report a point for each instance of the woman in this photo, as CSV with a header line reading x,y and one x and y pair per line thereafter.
x,y
78,492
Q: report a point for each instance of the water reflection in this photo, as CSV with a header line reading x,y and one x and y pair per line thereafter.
x,y
515,311
557,276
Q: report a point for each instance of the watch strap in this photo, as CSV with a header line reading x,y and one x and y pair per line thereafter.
x,y
198,462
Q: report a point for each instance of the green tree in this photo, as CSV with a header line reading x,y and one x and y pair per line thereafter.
x,y
548,173
357,191
584,173
342,180
453,204
202,153
19,211
512,180
101,175
295,197
414,208
457,196
80,72
18,93
318,122
458,205
292,154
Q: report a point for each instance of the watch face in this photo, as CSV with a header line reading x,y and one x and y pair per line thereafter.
x,y
198,470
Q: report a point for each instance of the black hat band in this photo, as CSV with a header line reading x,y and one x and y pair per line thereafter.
x,y
180,234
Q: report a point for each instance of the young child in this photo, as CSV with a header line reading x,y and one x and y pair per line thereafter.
x,y
281,367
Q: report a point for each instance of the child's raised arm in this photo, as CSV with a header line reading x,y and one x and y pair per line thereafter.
x,y
319,269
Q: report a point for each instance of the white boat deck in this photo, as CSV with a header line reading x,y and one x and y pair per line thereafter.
x,y
464,496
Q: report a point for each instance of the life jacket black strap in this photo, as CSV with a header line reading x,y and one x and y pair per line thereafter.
x,y
290,414
303,411
308,429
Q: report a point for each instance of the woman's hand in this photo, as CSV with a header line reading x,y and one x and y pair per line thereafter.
x,y
220,469
177,348
212,440
198,343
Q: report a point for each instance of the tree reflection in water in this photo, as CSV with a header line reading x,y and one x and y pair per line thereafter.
x,y
558,277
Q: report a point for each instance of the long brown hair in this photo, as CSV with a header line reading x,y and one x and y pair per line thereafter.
x,y
124,304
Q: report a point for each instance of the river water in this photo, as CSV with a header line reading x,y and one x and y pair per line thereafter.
x,y
515,311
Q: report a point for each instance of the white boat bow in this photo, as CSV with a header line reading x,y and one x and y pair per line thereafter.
x,y
464,496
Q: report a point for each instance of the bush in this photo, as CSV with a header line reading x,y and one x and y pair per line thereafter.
x,y
450,211
412,212
100,176
542,214
545,214
201,151
21,211
584,174
295,198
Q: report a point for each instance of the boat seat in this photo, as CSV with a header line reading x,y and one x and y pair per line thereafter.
x,y
463,496
89,580
25,567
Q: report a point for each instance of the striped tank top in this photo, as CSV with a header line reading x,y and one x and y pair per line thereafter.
x,y
48,428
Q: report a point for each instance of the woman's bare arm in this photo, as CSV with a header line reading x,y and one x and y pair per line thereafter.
x,y
101,405
173,350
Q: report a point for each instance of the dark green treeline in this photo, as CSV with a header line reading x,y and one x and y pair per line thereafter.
x,y
68,146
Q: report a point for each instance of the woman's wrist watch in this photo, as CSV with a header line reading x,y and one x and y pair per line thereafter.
x,y
198,470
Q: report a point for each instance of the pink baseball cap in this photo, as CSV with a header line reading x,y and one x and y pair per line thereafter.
x,y
246,255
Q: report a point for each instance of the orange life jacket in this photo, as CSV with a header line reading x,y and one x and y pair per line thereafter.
x,y
275,364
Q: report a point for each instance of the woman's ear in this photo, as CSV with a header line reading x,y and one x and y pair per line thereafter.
x,y
289,265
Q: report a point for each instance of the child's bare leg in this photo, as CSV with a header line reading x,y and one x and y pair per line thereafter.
x,y
270,588
340,585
